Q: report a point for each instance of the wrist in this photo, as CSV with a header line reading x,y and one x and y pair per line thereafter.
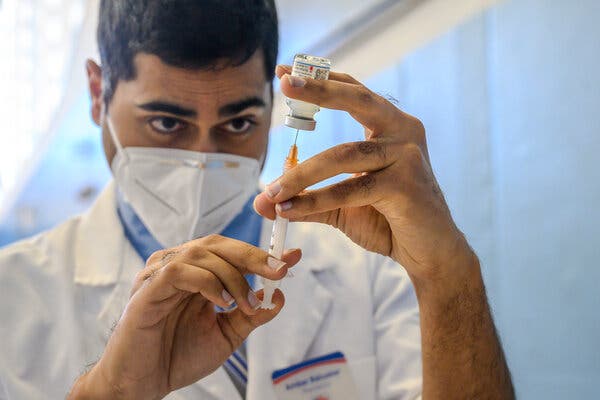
x,y
462,274
93,386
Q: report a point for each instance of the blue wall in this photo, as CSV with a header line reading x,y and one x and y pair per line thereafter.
x,y
511,103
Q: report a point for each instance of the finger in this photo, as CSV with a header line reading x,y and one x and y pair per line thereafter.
x,y
156,261
199,280
245,257
218,282
265,207
164,290
357,157
282,69
352,192
367,107
236,326
336,76
292,256
233,281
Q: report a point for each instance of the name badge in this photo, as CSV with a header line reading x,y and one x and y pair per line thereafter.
x,y
322,378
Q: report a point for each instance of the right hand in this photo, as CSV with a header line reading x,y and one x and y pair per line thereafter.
x,y
169,335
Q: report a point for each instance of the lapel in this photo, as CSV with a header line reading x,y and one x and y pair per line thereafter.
x,y
287,339
104,258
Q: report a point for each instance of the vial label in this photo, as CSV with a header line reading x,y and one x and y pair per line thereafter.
x,y
306,70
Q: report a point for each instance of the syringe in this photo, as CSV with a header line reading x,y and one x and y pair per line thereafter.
x,y
278,235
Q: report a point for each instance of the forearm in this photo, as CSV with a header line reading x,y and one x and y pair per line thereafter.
x,y
462,355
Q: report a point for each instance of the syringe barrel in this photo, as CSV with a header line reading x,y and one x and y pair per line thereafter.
x,y
278,237
277,244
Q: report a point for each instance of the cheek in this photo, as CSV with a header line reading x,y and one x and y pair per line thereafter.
x,y
253,146
257,147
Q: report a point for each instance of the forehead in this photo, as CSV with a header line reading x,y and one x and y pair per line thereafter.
x,y
204,88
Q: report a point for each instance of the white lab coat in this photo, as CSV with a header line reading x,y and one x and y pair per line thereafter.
x,y
61,292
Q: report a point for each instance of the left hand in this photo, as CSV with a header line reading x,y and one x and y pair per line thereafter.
x,y
393,204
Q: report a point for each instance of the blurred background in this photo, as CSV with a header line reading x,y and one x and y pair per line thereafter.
x,y
508,91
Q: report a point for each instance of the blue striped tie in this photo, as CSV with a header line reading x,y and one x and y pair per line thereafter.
x,y
236,365
237,368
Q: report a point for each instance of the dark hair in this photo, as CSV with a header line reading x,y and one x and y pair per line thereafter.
x,y
192,34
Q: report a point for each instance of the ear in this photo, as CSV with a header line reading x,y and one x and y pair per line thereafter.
x,y
94,74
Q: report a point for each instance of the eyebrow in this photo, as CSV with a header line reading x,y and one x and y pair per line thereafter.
x,y
238,107
225,111
168,108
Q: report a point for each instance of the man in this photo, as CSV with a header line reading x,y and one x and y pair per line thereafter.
x,y
184,101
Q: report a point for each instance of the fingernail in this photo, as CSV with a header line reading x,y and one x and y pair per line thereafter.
x,y
273,189
296,81
275,264
253,300
227,297
286,205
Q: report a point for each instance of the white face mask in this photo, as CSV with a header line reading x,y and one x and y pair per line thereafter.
x,y
182,195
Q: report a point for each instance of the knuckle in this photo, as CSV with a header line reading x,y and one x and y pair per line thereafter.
x,y
162,257
366,183
369,147
194,252
412,157
358,150
142,276
341,191
322,91
309,201
362,185
156,256
212,239
172,270
345,152
209,280
365,97
419,130
251,255
418,125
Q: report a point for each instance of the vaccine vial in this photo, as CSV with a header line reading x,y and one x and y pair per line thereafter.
x,y
302,114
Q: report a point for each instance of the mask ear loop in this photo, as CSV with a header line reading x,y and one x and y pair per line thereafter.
x,y
113,134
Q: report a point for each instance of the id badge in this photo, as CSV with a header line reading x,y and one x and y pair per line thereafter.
x,y
322,378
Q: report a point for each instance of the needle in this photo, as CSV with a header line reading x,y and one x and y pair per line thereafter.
x,y
296,140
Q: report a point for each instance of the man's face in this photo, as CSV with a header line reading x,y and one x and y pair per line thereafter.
x,y
226,110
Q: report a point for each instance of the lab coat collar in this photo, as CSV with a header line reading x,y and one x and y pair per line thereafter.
x,y
100,242
104,257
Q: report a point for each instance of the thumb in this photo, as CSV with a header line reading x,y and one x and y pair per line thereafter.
x,y
236,325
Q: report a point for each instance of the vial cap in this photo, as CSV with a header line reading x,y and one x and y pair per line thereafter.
x,y
300,123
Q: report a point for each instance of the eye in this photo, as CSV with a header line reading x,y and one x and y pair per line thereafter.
x,y
166,125
238,126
